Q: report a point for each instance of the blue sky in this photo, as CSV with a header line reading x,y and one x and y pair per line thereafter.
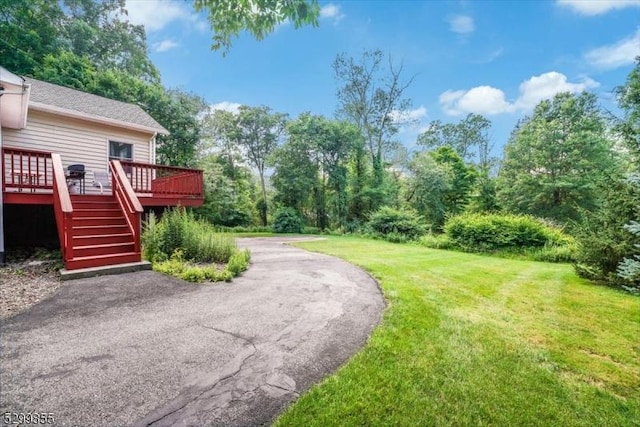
x,y
494,58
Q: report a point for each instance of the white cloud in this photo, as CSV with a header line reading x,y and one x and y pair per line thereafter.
x,y
597,7
480,99
232,107
331,11
157,14
461,24
409,115
490,100
617,54
165,45
546,85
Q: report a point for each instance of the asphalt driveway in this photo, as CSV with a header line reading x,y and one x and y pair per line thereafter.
x,y
144,349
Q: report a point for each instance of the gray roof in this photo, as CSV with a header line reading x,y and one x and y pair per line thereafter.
x,y
88,104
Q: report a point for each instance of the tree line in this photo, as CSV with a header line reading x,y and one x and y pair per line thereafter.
x,y
569,162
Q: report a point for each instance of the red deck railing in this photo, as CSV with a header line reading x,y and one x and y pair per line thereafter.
x,y
127,200
26,170
62,208
31,171
164,181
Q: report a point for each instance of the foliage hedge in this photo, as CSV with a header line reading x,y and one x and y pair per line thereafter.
x,y
396,225
489,232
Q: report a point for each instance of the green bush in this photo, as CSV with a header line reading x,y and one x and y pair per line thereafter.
x,y
287,220
490,232
193,274
152,240
240,229
239,262
398,225
179,229
178,242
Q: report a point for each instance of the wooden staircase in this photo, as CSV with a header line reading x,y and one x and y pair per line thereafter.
x,y
97,231
101,235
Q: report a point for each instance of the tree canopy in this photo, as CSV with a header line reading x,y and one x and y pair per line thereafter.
x,y
259,18
556,159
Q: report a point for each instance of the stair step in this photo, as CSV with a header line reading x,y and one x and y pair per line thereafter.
x,y
91,197
99,261
102,239
104,249
86,230
93,212
98,220
95,205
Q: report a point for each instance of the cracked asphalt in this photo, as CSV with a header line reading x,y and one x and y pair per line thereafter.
x,y
144,349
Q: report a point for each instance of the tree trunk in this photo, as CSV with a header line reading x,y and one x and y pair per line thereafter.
x,y
263,208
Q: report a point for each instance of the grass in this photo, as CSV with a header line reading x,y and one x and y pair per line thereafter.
x,y
476,340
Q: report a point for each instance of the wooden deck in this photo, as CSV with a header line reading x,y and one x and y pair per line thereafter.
x,y
28,179
97,225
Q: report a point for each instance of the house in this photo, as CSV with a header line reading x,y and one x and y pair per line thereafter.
x,y
86,161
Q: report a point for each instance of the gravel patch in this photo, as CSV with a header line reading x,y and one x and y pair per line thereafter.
x,y
24,284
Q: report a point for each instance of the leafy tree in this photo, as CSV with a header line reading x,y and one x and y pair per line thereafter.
x,y
629,100
371,97
629,128
29,31
259,18
556,159
427,185
311,167
178,112
68,69
469,138
336,140
91,31
485,197
629,268
227,201
603,242
296,174
258,131
463,178
217,136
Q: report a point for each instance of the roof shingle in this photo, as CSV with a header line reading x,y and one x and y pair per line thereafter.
x,y
89,105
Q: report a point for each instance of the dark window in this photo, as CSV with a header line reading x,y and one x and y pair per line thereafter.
x,y
120,151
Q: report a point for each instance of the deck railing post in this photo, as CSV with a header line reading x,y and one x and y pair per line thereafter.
x,y
128,201
62,208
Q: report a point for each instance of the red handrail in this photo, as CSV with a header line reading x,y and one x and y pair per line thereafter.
x,y
62,208
127,200
165,181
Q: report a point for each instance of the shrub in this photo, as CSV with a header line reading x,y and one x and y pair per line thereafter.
x,y
239,262
393,223
176,242
239,229
287,220
152,240
490,232
193,274
179,229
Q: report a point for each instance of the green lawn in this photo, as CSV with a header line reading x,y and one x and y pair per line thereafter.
x,y
475,340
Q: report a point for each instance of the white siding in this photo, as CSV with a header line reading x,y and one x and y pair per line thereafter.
x,y
75,140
